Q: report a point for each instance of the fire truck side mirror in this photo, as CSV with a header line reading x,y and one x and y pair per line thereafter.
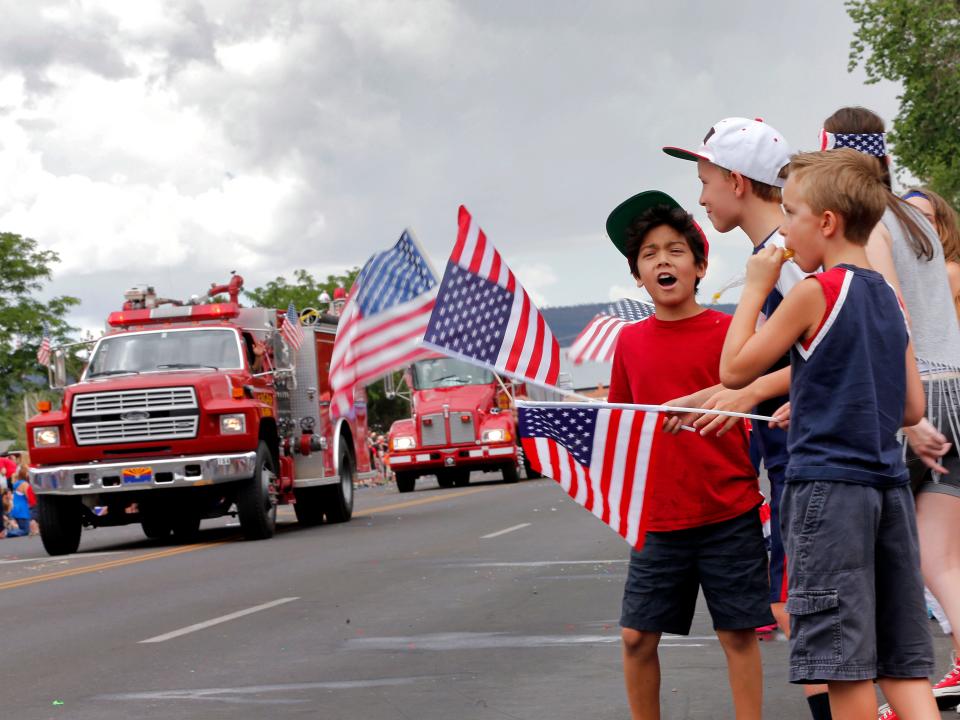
x,y
58,369
389,386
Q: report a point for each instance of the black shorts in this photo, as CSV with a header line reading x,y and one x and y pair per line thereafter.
x,y
727,559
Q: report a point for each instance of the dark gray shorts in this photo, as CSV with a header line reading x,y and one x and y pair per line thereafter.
x,y
855,594
727,559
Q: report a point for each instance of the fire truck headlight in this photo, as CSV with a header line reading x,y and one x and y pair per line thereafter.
x,y
46,436
495,435
404,442
233,424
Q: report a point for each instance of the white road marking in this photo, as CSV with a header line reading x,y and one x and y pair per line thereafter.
x,y
498,533
493,641
537,563
230,694
217,620
60,558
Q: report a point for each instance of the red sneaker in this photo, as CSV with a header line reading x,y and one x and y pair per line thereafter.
x,y
949,687
886,713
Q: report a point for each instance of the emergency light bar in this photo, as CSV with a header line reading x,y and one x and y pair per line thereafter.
x,y
168,313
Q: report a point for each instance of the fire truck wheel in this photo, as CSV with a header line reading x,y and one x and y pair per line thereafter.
x,y
257,499
155,529
531,473
445,479
309,506
461,477
60,522
406,482
510,473
186,525
338,503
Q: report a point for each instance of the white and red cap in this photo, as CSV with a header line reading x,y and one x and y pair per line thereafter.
x,y
749,147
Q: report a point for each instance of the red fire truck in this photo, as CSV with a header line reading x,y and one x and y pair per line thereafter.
x,y
463,420
192,410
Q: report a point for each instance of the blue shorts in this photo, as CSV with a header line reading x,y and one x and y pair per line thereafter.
x,y
727,559
855,598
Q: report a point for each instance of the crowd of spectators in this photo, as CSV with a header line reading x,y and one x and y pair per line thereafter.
x,y
17,498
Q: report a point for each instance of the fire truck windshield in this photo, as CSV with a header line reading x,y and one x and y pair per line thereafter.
x,y
166,350
448,372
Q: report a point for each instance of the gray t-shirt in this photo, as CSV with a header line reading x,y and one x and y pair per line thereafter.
x,y
926,293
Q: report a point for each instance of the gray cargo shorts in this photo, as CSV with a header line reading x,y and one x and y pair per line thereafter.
x,y
855,596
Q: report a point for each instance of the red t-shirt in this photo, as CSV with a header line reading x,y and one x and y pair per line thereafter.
x,y
698,480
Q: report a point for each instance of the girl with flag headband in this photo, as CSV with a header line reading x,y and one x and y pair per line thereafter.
x,y
904,248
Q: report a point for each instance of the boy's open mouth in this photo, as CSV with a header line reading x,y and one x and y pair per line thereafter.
x,y
666,280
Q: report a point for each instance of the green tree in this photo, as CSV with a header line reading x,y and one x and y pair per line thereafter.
x,y
304,291
383,411
917,44
24,270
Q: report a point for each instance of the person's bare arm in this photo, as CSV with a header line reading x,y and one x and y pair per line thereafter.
x,y
880,254
915,404
748,352
953,276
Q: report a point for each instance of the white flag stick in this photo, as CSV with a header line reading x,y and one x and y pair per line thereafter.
x,y
647,408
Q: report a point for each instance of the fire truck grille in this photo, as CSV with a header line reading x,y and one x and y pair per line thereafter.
x,y
433,430
140,431
461,431
135,416
155,399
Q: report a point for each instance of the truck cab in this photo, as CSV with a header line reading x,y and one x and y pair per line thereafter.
x,y
462,420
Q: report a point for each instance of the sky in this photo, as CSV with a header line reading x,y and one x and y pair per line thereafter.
x,y
168,143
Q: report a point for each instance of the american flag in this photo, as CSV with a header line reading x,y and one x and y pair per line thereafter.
x,y
43,352
600,456
484,315
290,330
384,320
867,143
598,339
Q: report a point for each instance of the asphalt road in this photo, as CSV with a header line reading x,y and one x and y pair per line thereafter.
x,y
491,601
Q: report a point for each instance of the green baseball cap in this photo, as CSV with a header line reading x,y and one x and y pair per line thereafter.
x,y
629,210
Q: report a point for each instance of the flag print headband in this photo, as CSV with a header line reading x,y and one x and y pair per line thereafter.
x,y
868,143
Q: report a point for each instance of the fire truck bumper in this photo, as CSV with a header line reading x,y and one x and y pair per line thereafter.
x,y
430,459
142,475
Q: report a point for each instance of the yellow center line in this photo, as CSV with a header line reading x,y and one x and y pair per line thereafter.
x,y
97,567
110,564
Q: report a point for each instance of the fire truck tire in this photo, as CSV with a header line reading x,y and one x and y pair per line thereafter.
x,y
60,523
155,529
445,479
257,499
309,506
406,482
186,525
461,477
338,503
531,473
510,473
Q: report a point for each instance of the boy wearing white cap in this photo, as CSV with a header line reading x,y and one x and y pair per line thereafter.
x,y
740,164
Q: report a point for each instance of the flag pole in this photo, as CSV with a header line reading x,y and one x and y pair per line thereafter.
x,y
650,408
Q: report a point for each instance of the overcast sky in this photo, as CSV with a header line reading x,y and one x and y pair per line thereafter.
x,y
171,142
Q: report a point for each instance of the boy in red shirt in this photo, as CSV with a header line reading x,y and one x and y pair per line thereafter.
x,y
703,526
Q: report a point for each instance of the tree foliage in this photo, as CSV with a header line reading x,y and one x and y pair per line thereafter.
x,y
304,291
917,44
24,270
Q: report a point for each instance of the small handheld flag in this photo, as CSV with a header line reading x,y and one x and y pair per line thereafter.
x,y
43,352
290,330
598,340
484,315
